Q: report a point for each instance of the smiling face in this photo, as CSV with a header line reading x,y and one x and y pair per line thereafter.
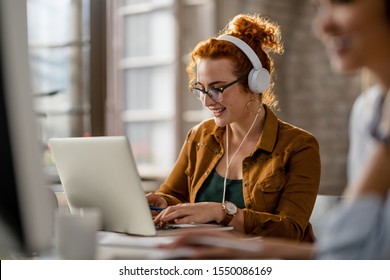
x,y
356,34
213,73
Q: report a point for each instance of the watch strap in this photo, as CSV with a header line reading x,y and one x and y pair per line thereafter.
x,y
227,219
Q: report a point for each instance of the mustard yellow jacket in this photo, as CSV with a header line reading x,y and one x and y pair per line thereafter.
x,y
280,177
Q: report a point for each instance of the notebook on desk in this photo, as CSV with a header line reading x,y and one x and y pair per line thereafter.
x,y
101,172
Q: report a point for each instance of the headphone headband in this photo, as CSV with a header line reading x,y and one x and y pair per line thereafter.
x,y
259,78
246,49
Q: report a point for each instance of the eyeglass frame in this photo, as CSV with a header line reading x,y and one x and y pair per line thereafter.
x,y
219,91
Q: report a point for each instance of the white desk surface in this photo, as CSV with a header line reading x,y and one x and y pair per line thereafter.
x,y
113,245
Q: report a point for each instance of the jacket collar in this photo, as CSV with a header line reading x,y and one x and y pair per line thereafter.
x,y
269,135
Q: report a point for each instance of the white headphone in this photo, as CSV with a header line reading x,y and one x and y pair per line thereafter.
x,y
259,77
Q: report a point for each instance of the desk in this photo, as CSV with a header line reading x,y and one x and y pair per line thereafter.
x,y
111,245
128,253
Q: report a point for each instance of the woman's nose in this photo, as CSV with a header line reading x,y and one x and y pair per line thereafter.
x,y
207,100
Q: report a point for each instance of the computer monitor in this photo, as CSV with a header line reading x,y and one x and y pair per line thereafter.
x,y
26,202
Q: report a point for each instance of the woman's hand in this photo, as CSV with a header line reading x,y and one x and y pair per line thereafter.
x,y
185,213
155,200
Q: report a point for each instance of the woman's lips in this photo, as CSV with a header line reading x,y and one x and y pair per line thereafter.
x,y
339,45
217,111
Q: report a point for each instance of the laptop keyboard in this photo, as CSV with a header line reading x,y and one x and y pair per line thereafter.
x,y
167,227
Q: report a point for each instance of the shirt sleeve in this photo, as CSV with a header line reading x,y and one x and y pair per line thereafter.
x,y
360,230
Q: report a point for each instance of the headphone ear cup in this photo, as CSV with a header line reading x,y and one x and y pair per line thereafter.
x,y
259,80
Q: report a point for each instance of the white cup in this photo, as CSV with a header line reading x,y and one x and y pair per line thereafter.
x,y
75,234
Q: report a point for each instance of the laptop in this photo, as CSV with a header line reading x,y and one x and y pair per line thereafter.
x,y
101,172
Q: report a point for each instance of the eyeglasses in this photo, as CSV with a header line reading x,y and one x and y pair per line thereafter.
x,y
214,93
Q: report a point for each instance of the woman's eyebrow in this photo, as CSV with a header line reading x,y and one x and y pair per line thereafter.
x,y
211,84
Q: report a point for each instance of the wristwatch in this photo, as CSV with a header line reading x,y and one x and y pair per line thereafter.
x,y
230,210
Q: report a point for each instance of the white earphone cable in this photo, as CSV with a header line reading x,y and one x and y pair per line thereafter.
x,y
227,154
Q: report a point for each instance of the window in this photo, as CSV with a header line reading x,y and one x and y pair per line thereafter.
x,y
59,47
148,98
59,51
146,80
145,96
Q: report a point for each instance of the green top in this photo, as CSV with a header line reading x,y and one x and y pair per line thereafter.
x,y
212,190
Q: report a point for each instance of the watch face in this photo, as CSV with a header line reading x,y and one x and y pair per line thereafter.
x,y
231,208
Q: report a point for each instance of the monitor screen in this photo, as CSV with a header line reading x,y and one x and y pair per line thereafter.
x,y
26,202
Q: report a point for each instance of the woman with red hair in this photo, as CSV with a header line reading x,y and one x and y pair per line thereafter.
x,y
244,167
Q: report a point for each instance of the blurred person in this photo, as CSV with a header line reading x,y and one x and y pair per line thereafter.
x,y
243,168
356,34
361,143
